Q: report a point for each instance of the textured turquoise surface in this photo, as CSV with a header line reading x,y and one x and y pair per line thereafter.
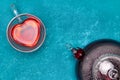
x,y
78,22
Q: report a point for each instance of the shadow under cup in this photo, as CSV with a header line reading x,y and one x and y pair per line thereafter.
x,y
19,47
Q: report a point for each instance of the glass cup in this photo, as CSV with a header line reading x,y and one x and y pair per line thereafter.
x,y
18,19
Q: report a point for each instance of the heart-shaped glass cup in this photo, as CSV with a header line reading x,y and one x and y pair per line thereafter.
x,y
25,19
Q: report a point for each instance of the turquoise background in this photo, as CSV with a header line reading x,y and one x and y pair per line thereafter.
x,y
78,22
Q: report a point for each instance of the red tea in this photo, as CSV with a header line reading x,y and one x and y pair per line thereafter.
x,y
27,33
